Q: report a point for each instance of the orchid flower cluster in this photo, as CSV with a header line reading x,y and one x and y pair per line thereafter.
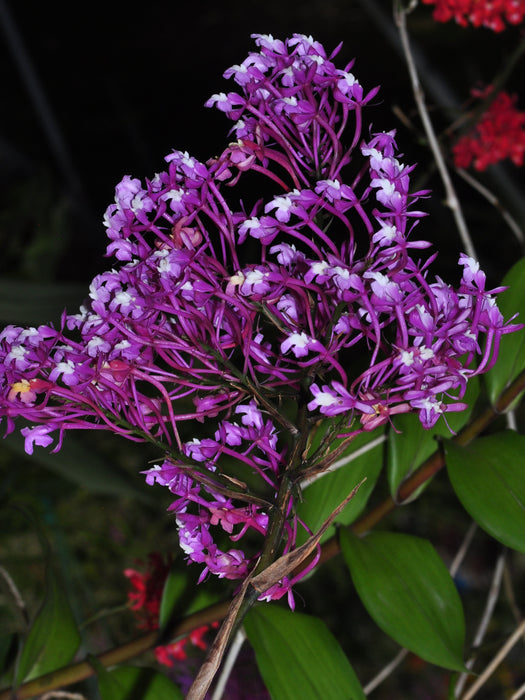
x,y
225,332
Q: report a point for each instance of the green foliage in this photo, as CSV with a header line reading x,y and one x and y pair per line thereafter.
x,y
174,589
181,596
53,638
409,593
399,578
323,496
298,657
409,445
134,683
488,478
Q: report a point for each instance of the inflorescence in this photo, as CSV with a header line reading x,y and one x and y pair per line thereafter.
x,y
492,14
225,331
498,134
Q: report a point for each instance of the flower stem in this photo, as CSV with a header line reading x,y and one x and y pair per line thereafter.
x,y
79,671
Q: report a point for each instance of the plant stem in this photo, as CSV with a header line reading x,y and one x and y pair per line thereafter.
x,y
79,671
118,655
451,199
429,467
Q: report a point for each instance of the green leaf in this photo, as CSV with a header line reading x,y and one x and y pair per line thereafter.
x,y
53,638
488,477
174,588
134,683
322,497
409,593
298,656
410,444
82,466
511,355
182,595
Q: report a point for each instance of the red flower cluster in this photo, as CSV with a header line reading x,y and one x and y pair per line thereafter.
x,y
144,600
480,13
499,134
170,653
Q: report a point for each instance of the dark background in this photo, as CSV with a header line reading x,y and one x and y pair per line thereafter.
x,y
125,84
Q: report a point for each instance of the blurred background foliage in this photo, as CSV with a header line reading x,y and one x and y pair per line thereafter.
x,y
95,91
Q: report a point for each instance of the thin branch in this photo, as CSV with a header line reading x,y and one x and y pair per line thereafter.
x,y
492,598
431,466
15,593
519,693
494,201
509,592
309,480
79,671
229,664
213,660
35,91
467,121
452,200
502,653
386,671
462,551
511,421
74,673
403,653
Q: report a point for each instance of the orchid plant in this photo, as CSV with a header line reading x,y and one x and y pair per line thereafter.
x,y
266,312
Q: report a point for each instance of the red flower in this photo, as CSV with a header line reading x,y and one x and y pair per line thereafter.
x,y
499,134
480,13
145,599
170,653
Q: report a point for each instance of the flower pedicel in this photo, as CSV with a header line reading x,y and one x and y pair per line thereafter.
x,y
225,331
